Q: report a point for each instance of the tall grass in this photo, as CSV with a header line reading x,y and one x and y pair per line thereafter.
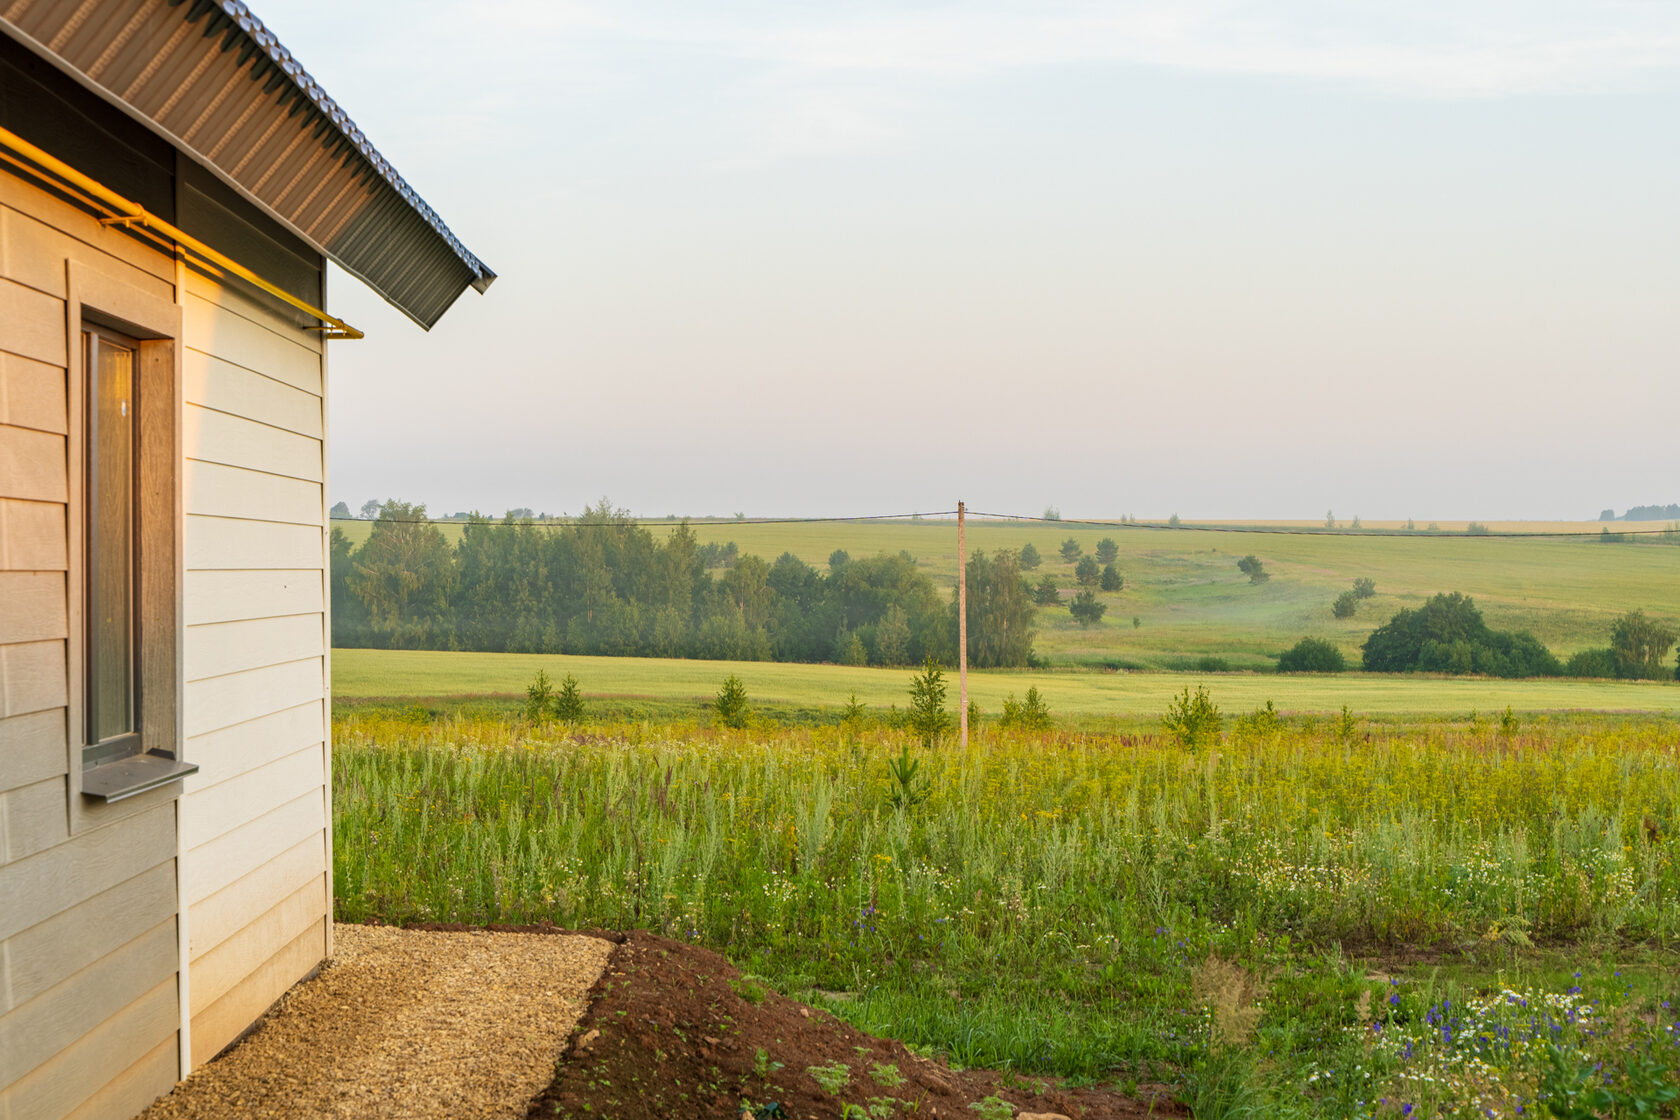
x,y
1046,906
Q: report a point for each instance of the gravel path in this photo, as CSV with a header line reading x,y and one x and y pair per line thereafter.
x,y
406,1024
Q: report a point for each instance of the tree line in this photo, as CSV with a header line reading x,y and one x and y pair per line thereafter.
x,y
601,584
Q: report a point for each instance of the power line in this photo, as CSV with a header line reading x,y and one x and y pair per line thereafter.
x,y
1153,526
1316,531
639,522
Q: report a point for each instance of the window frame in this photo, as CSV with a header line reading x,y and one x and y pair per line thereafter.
x,y
153,765
126,743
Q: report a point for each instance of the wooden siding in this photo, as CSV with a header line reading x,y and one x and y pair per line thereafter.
x,y
254,825
90,1010
101,904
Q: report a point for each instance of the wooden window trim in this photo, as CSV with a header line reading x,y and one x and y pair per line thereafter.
x,y
155,770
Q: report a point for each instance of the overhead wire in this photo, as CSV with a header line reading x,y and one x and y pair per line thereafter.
x,y
1154,526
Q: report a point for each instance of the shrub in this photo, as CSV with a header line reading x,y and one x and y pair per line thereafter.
x,y
1031,714
1599,663
1345,605
1046,594
1476,529
1312,655
1088,571
1193,720
539,697
1212,665
1030,558
731,703
1111,579
1107,551
1086,610
1070,550
1447,635
1252,567
568,702
1364,587
928,719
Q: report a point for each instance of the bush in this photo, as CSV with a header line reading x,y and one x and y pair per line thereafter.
x,y
731,703
1088,571
1030,558
1312,655
1251,566
539,697
1193,720
1070,550
1111,579
1107,551
1046,594
1476,529
1364,588
568,702
1086,610
928,720
1345,605
1212,665
1031,714
1447,635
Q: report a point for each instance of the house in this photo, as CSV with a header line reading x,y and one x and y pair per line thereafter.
x,y
172,184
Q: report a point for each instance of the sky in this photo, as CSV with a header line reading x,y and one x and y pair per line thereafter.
x,y
1219,259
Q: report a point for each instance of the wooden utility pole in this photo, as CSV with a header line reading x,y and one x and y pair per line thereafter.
x,y
962,627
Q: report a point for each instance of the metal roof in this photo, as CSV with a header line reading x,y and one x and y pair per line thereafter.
x,y
210,78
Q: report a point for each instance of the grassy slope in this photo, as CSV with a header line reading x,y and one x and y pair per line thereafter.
x,y
403,673
1190,601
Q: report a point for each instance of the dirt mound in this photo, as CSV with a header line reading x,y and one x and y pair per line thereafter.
x,y
673,1030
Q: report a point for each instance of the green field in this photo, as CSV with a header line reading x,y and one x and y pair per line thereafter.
x,y
360,674
1416,921
1190,602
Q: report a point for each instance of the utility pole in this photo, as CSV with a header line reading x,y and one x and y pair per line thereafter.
x,y
962,626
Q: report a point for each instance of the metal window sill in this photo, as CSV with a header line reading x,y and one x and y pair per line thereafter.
x,y
125,777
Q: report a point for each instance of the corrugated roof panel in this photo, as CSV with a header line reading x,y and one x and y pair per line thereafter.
x,y
211,78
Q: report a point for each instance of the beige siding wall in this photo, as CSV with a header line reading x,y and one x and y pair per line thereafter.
x,y
254,821
89,941
97,904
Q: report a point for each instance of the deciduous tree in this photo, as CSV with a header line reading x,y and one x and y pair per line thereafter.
x,y
1000,611
1640,645
403,575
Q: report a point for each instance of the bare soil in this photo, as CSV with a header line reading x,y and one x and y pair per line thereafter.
x,y
673,1030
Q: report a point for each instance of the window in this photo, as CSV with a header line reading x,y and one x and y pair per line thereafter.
x,y
127,668
110,568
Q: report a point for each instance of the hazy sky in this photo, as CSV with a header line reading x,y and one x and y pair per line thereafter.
x,y
1225,259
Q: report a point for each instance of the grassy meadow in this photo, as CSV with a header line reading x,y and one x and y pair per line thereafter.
x,y
676,685
1184,599
1324,918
